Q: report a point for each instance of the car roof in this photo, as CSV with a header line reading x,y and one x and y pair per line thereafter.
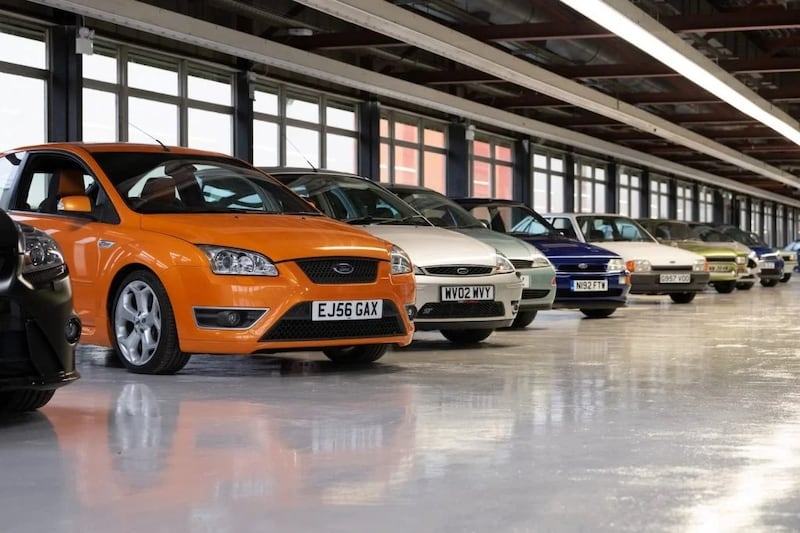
x,y
117,147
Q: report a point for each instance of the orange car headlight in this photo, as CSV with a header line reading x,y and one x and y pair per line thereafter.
x,y
237,262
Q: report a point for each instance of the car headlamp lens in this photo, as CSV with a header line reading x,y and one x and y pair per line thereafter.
x,y
541,261
700,265
233,261
741,260
639,265
42,258
502,265
401,263
615,265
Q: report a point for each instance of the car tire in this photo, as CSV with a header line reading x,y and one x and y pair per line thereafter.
x,y
786,277
146,340
598,313
523,319
356,355
24,400
768,282
744,286
682,297
724,287
466,336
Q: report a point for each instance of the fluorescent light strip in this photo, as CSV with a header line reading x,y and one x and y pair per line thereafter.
x,y
185,29
635,32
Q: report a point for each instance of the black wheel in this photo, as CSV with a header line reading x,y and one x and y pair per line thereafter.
x,y
145,336
598,313
682,297
20,401
356,355
786,277
744,286
466,336
768,282
724,287
523,319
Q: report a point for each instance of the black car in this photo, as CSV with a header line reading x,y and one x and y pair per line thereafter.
x,y
38,328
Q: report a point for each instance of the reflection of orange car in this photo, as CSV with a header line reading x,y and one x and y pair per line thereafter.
x,y
175,251
137,457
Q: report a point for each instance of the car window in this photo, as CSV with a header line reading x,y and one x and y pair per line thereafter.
x,y
439,209
564,225
8,168
50,177
483,214
610,228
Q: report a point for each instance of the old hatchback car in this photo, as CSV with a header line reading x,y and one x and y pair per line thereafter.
x,y
711,235
38,329
789,253
175,251
655,268
770,261
726,264
589,278
538,274
465,288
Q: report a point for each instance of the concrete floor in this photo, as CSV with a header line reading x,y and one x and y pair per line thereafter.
x,y
662,418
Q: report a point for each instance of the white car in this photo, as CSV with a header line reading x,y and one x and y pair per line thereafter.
x,y
655,268
465,288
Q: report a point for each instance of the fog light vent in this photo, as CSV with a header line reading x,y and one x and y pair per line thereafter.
x,y
227,318
72,330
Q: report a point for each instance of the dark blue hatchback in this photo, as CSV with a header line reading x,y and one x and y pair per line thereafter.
x,y
588,277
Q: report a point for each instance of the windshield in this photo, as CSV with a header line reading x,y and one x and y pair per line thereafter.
x,y
602,228
709,234
439,209
163,182
513,219
744,237
352,199
668,229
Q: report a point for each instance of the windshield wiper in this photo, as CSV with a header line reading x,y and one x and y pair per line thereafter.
x,y
403,220
364,220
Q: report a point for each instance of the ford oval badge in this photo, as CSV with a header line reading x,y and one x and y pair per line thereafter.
x,y
343,268
462,271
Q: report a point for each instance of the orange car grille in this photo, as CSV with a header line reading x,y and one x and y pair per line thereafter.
x,y
339,270
461,310
296,325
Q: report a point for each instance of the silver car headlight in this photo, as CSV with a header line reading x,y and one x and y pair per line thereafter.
x,y
237,262
502,265
792,257
615,265
42,258
700,265
639,265
401,263
540,261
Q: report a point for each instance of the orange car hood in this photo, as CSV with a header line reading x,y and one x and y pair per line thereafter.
x,y
280,237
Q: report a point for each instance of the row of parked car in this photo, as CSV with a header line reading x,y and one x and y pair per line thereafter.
x,y
173,251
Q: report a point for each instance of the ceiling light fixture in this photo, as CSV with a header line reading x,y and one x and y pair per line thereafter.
x,y
633,25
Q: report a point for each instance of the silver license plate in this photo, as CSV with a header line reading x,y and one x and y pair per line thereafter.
x,y
589,285
463,293
346,310
675,278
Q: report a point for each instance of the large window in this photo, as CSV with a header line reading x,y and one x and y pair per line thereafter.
x,y
755,216
412,151
548,182
629,192
590,187
744,221
792,233
23,85
659,197
491,170
706,201
159,97
780,226
685,201
769,220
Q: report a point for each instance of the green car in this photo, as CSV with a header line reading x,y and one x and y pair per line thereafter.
x,y
727,264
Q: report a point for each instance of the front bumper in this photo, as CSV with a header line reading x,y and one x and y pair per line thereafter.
x,y
650,282
568,298
282,310
34,323
435,314
538,288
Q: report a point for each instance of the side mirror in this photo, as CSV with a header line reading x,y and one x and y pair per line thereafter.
x,y
484,222
75,204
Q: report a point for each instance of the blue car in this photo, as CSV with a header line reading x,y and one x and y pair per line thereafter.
x,y
588,277
770,260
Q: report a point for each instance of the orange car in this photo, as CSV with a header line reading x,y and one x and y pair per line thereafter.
x,y
175,251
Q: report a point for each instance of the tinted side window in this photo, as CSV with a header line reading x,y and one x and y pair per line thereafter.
x,y
564,226
8,169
